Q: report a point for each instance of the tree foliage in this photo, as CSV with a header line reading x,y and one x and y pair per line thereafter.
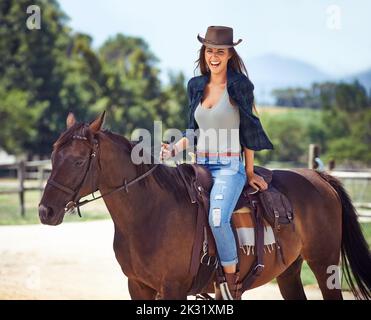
x,y
48,72
344,129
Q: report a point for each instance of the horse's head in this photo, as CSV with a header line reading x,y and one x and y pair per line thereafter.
x,y
74,169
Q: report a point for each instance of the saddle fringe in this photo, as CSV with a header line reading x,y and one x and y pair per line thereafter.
x,y
268,248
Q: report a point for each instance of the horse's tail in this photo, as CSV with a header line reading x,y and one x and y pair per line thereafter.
x,y
355,252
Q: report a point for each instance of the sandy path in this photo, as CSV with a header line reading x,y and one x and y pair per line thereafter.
x,y
74,261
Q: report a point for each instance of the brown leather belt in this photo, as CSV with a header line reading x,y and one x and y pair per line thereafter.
x,y
216,154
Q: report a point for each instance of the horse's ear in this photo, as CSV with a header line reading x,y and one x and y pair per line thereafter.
x,y
71,120
96,125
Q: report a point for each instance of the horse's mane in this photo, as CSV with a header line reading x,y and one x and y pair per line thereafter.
x,y
168,178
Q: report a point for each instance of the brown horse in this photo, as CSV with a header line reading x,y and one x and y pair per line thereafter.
x,y
155,221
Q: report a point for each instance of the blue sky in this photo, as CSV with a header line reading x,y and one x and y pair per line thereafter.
x,y
332,35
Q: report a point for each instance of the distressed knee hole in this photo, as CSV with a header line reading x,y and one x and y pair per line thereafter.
x,y
219,196
216,217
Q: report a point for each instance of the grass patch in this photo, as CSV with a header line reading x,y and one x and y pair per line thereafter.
x,y
366,229
10,210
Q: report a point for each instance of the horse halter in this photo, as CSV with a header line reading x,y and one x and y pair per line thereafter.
x,y
72,204
75,203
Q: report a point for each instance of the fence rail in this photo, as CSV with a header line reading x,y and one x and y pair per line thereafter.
x,y
38,170
23,174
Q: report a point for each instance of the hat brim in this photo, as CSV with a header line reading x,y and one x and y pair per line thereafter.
x,y
220,46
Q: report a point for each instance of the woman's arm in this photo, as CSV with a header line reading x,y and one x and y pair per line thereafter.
x,y
182,144
249,161
254,180
179,146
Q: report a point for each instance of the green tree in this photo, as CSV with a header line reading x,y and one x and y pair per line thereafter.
x,y
297,97
48,72
17,119
174,108
291,132
134,96
346,110
30,61
51,66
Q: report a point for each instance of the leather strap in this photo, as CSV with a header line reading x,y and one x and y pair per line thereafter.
x,y
258,265
198,196
190,190
210,236
218,154
61,187
197,243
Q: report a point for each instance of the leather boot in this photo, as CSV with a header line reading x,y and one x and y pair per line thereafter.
x,y
234,286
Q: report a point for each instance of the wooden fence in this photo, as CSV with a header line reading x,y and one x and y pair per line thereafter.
x,y
38,171
34,170
361,200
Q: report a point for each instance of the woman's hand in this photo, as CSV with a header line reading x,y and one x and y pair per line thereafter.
x,y
167,152
256,181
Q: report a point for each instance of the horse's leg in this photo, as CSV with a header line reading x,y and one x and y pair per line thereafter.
x,y
139,291
173,290
290,283
321,252
318,221
320,271
322,244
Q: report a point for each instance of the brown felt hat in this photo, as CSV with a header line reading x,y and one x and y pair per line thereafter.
x,y
218,37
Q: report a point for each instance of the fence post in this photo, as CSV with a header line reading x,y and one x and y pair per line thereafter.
x,y
311,155
41,172
21,177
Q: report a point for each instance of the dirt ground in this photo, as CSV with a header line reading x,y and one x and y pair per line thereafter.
x,y
75,261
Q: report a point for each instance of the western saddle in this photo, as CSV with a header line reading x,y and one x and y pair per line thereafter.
x,y
270,204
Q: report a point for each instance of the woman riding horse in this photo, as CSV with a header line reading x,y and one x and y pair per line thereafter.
x,y
221,99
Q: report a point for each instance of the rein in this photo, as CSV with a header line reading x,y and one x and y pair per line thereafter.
x,y
93,158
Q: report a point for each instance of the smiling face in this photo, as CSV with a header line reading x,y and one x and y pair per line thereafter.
x,y
217,59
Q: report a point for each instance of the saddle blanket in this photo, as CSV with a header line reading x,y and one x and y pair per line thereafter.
x,y
246,234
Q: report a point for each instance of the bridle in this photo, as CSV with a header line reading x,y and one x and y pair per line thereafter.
x,y
75,203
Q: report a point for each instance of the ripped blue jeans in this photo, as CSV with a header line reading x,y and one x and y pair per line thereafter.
x,y
229,178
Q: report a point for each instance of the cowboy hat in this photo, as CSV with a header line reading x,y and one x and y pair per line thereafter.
x,y
218,37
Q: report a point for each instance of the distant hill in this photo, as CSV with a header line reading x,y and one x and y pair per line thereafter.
x,y
273,71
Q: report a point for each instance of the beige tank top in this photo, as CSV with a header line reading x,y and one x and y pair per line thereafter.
x,y
219,126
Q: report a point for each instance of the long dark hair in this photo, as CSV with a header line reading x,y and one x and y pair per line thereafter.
x,y
235,62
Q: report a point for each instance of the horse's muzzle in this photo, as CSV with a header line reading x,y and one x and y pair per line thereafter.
x,y
47,216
